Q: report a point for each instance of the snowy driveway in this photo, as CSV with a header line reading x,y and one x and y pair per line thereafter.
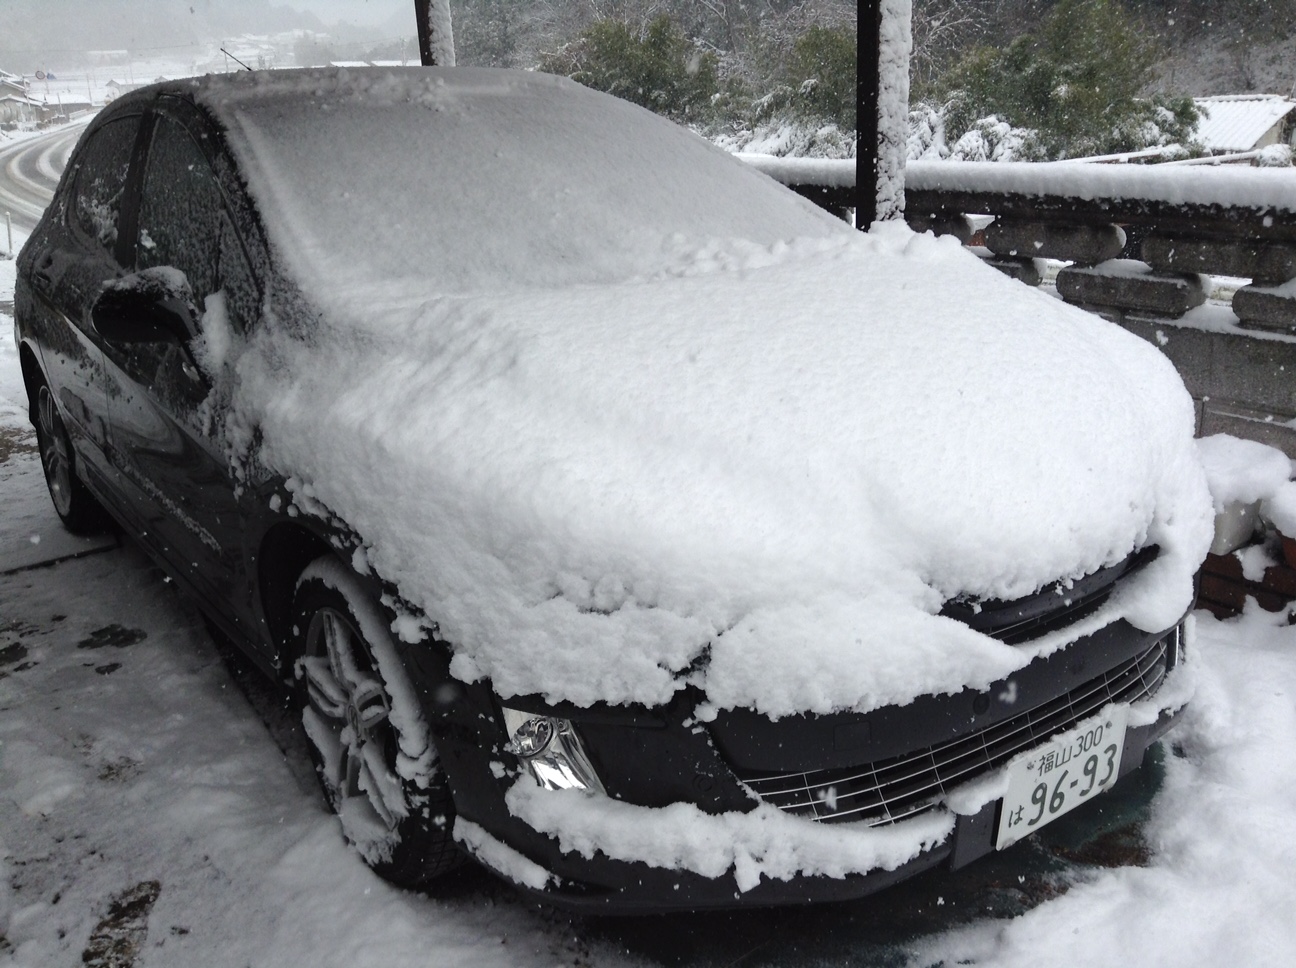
x,y
149,816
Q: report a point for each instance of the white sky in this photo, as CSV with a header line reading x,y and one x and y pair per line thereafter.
x,y
356,11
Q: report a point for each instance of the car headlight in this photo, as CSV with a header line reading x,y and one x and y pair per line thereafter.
x,y
551,750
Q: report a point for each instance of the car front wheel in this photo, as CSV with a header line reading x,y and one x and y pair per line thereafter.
x,y
367,735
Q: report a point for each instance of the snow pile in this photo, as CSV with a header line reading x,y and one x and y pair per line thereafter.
x,y
1242,471
760,468
1248,481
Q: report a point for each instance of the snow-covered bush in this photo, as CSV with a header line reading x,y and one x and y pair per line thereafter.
x,y
789,138
1275,156
987,139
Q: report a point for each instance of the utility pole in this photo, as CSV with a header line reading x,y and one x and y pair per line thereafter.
x,y
882,110
435,34
868,93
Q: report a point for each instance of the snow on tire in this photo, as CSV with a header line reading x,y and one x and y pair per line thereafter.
x,y
370,744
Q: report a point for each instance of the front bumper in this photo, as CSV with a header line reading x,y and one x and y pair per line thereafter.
x,y
655,758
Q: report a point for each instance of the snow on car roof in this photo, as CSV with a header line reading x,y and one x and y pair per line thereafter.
x,y
758,469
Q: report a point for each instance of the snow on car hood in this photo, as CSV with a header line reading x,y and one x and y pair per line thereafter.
x,y
763,481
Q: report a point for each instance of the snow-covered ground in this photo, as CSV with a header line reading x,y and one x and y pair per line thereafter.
x,y
145,806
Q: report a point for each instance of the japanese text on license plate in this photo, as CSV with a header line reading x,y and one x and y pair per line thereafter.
x,y
1055,778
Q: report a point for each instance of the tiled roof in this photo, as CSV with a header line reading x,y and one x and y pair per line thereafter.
x,y
1235,122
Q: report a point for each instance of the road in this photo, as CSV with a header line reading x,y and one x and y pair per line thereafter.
x,y
29,172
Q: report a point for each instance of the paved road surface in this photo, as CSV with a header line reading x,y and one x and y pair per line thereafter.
x,y
29,172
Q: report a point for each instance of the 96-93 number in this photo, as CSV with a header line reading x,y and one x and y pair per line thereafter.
x,y
1058,800
1061,774
1104,760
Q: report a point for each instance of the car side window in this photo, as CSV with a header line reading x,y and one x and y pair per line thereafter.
x,y
180,210
101,180
184,223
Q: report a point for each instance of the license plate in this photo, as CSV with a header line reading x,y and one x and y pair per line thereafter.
x,y
1068,770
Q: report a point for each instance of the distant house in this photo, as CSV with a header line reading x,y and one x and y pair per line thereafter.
x,y
15,104
118,88
1244,122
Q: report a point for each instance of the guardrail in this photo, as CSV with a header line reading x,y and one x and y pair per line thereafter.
x,y
1139,244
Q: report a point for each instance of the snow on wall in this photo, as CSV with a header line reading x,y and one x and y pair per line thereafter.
x,y
829,172
1227,186
1235,187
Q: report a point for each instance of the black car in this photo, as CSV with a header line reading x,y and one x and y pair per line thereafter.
x,y
228,354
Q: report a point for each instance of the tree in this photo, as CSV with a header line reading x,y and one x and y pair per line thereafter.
x,y
824,68
658,68
1075,82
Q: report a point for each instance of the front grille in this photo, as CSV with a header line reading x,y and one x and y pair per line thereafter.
x,y
1053,607
890,790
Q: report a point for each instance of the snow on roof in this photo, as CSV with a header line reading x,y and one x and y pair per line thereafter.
x,y
1236,122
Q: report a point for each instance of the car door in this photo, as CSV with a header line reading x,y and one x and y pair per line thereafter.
x,y
77,249
167,414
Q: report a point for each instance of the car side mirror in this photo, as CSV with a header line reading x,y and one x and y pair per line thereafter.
x,y
154,306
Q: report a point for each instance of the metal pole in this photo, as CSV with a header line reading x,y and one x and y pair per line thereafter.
x,y
9,228
868,93
435,36
422,13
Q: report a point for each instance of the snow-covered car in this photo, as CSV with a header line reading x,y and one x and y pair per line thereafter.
x,y
611,513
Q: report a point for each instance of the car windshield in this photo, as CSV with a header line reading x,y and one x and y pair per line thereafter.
x,y
486,180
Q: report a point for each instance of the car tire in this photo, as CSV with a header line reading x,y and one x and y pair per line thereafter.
x,y
366,733
73,502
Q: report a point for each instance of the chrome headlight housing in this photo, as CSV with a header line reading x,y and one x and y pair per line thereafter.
x,y
551,750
